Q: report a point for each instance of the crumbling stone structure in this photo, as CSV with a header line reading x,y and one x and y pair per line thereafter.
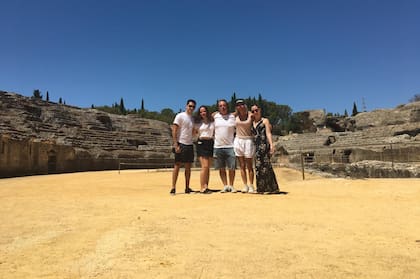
x,y
39,137
390,135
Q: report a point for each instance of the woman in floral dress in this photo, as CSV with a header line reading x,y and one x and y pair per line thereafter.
x,y
265,176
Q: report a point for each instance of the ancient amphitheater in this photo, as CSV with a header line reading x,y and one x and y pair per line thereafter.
x,y
39,137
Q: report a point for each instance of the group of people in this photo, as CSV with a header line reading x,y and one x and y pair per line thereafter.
x,y
227,137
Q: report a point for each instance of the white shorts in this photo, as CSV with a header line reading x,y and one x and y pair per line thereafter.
x,y
244,147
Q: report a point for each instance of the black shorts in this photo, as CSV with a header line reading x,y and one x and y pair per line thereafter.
x,y
205,148
186,155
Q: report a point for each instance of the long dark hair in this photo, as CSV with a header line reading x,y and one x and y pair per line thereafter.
x,y
197,117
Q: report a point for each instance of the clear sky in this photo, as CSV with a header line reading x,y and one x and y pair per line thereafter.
x,y
308,54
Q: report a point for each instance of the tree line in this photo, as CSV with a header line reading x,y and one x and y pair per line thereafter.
x,y
283,119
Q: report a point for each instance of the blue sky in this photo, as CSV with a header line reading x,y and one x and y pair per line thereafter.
x,y
307,54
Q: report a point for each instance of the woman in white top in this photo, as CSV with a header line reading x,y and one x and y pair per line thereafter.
x,y
204,128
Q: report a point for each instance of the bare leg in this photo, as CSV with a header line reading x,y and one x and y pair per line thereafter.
x,y
223,177
250,167
242,166
208,172
231,177
187,175
204,173
175,173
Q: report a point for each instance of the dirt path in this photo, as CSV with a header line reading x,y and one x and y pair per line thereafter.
x,y
110,225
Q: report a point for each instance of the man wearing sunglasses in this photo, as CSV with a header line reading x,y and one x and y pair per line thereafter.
x,y
182,137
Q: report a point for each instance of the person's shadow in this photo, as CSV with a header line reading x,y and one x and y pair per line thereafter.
x,y
277,193
213,190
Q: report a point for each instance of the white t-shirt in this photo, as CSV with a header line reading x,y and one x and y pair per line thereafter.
x,y
185,130
224,132
205,130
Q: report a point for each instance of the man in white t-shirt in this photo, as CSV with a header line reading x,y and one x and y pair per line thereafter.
x,y
224,155
182,136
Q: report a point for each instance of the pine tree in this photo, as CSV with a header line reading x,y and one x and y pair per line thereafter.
x,y
48,97
60,101
416,98
345,113
142,104
37,94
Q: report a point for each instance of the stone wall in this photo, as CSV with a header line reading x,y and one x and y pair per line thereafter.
x,y
390,135
39,137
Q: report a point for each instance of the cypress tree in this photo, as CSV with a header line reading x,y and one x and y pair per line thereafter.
x,y
354,112
122,108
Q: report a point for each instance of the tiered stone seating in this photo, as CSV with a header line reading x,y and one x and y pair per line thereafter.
x,y
97,133
388,142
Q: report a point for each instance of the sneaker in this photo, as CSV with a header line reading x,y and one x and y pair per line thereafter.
x,y
172,192
251,189
225,189
245,189
189,190
232,189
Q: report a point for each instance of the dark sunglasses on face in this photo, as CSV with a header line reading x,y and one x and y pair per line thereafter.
x,y
191,106
254,110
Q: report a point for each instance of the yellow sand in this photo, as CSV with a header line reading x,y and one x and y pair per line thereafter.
x,y
110,225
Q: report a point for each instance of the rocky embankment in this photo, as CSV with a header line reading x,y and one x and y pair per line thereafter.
x,y
380,143
39,137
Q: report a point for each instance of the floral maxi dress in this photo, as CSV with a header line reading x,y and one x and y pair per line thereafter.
x,y
266,179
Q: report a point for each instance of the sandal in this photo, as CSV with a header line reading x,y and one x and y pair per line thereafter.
x,y
206,191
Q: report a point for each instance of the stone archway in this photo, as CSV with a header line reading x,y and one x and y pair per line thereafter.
x,y
346,156
52,161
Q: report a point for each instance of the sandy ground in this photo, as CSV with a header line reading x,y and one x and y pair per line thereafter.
x,y
110,225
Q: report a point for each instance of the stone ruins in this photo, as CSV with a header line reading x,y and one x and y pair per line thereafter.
x,y
380,143
40,137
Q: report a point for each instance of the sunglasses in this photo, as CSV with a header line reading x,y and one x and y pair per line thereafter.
x,y
254,110
191,106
